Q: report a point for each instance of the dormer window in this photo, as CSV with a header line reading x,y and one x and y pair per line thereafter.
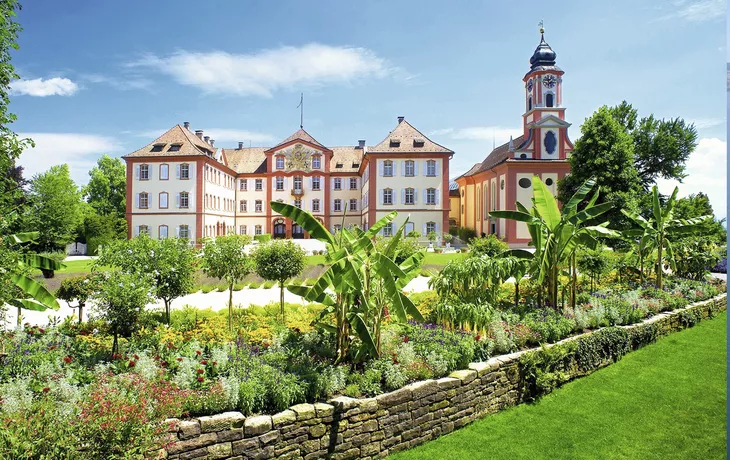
x,y
157,148
338,166
418,142
395,142
356,165
279,162
316,162
174,148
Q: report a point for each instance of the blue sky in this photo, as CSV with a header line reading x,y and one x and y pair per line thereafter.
x,y
105,77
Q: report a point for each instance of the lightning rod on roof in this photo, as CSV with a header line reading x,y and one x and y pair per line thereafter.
x,y
301,112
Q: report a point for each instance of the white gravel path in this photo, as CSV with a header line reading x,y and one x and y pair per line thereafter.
x,y
214,300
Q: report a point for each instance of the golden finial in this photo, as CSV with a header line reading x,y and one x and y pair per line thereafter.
x,y
542,29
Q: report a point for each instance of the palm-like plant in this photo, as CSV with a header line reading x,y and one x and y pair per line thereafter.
x,y
555,234
31,295
653,233
361,282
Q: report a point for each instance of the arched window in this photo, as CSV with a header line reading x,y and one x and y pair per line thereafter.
x,y
529,103
549,100
551,142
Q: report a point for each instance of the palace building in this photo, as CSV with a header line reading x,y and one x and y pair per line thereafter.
x,y
181,185
504,176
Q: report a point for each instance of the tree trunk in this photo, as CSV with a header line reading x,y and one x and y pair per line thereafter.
x,y
18,318
167,311
517,293
659,270
230,308
115,344
573,284
281,301
641,266
81,312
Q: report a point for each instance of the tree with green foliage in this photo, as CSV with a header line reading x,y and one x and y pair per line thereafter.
x,y
54,208
170,262
661,226
556,233
279,260
225,258
98,230
78,289
698,205
106,190
120,299
594,262
490,246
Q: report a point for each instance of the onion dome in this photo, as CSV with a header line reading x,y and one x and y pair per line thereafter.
x,y
544,56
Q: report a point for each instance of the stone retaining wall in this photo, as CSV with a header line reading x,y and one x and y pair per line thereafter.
x,y
349,428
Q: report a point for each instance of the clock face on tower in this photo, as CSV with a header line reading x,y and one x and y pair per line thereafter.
x,y
549,81
529,85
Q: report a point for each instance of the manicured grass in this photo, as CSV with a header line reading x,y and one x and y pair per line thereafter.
x,y
664,401
441,259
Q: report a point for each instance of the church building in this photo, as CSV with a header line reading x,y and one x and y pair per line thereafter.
x,y
504,176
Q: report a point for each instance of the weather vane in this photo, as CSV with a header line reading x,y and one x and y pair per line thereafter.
x,y
542,28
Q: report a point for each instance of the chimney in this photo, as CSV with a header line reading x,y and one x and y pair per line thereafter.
x,y
212,142
206,139
186,124
361,144
199,133
240,146
400,119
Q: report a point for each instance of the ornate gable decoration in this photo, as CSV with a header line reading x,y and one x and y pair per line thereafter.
x,y
298,158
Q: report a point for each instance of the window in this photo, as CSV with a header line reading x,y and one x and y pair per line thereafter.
x,y
548,182
315,205
431,196
388,229
184,232
338,183
315,183
257,229
298,183
338,205
143,229
243,206
431,168
298,203
185,200
259,185
279,183
164,172
316,162
144,200
184,171
162,231
157,148
259,206
388,196
549,100
353,183
338,165
418,142
410,196
279,162
395,142
524,182
174,148
388,168
353,204
551,142
410,168
243,185
529,103
430,227
356,165
163,200
242,230
144,172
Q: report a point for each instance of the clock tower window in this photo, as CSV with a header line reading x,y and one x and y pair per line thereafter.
x,y
549,100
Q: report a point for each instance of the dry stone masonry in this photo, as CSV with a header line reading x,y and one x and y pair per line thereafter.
x,y
348,428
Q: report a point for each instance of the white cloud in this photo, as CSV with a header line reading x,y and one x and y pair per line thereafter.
x,y
221,135
80,151
263,73
697,10
127,82
703,123
706,169
39,87
498,134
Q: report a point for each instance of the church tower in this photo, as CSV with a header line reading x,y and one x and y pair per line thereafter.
x,y
544,117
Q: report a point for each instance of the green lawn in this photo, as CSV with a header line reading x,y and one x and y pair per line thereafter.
x,y
664,401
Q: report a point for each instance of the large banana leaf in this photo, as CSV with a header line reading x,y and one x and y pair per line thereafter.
x,y
25,237
655,204
636,218
34,291
514,215
590,213
382,222
359,325
578,197
545,203
305,220
41,262
667,213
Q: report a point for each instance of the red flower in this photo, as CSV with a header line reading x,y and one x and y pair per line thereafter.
x,y
136,357
201,378
179,359
198,352
204,362
200,371
266,345
52,347
116,356
41,330
67,359
478,338
131,363
163,363
46,390
395,361
215,363
405,339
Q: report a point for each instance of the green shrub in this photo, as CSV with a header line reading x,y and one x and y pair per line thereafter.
x,y
550,325
262,238
466,234
490,246
269,284
254,285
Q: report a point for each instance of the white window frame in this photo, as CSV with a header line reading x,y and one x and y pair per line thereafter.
x,y
412,196
279,182
184,200
144,172
353,183
431,196
259,185
410,168
338,183
388,168
184,232
315,183
243,206
184,171
259,206
159,231
431,168
316,162
388,192
353,204
279,162
166,169
337,205
315,205
258,230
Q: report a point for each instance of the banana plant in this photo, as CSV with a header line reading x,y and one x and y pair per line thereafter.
x,y
653,233
362,284
557,234
32,295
